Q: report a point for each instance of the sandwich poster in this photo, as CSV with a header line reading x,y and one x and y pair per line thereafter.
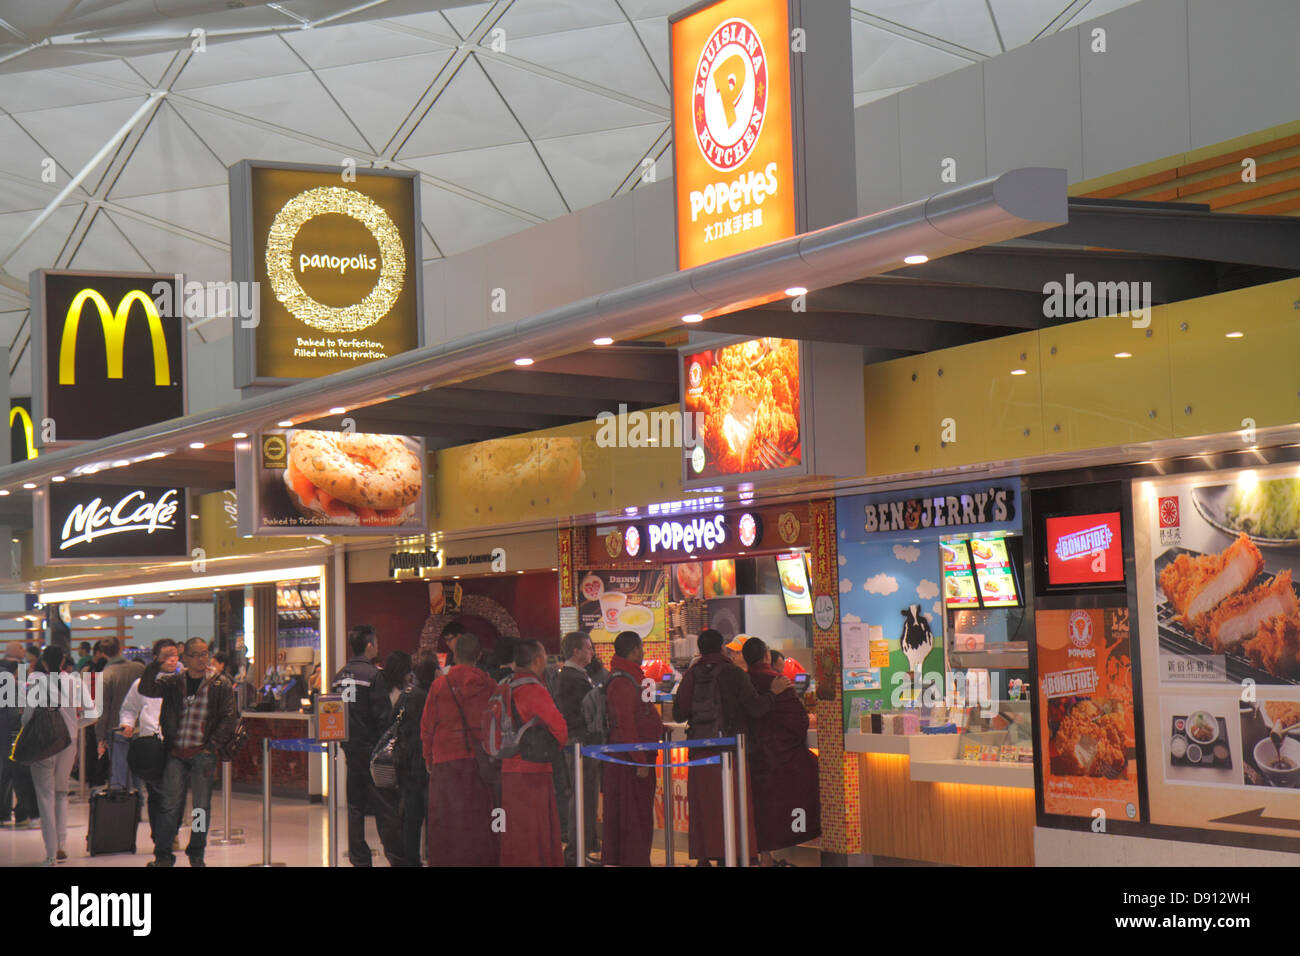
x,y
1085,710
302,481
1222,627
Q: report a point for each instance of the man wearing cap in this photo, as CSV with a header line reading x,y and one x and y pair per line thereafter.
x,y
732,651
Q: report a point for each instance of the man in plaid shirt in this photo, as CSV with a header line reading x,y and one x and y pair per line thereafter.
x,y
198,717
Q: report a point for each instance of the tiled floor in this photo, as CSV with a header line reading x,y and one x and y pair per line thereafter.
x,y
297,834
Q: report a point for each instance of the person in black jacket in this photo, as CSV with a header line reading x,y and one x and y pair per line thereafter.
x,y
413,776
198,719
572,684
370,713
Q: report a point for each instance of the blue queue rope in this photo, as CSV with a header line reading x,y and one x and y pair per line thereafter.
x,y
594,750
301,744
687,763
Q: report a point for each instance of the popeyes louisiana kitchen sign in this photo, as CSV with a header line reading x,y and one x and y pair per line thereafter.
x,y
80,523
745,132
107,358
719,535
297,481
335,253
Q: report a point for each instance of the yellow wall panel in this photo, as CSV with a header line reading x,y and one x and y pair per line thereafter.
x,y
1093,399
1218,382
997,414
902,432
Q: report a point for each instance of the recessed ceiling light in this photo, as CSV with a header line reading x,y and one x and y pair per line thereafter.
x,y
197,445
523,360
284,424
796,290
3,492
603,340
58,478
194,517
1018,371
29,485
1234,335
692,318
338,410
239,434
915,260
1123,355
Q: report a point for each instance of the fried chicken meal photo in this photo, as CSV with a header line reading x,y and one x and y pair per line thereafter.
x,y
1088,740
1212,596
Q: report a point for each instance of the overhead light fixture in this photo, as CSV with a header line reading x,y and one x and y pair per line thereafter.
x,y
29,485
1123,355
603,340
1018,371
196,445
523,360
3,492
338,410
796,290
194,517
186,584
916,260
58,478
287,423
1234,335
692,318
239,434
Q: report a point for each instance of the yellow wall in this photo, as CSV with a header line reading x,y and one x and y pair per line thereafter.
x,y
1184,377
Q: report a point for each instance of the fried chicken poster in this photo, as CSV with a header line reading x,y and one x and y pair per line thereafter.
x,y
1085,701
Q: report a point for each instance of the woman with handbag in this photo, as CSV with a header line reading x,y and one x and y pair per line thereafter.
x,y
60,695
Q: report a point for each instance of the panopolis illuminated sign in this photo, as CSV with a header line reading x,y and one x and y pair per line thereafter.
x,y
335,253
108,359
82,523
733,160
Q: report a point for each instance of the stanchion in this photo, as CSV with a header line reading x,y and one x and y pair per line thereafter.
x,y
742,788
332,818
266,805
579,805
668,802
728,813
225,836
84,771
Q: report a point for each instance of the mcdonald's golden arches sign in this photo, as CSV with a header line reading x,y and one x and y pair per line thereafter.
x,y
108,357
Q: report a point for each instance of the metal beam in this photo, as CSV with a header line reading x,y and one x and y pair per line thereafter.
x,y
909,299
851,328
540,382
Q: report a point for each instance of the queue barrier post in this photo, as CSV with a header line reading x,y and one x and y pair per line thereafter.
x,y
579,806
225,835
742,789
668,802
83,771
332,818
728,813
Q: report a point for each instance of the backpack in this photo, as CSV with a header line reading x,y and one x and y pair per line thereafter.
x,y
706,703
595,710
502,733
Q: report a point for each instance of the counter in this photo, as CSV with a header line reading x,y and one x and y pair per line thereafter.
x,y
933,759
293,773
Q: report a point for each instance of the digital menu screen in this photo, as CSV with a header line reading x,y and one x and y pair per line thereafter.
x,y
958,578
1084,549
794,584
993,573
746,397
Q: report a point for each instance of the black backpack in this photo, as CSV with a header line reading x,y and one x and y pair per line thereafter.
x,y
706,703
595,710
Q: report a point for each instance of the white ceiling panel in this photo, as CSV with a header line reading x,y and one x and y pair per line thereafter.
x,y
965,23
591,166
608,56
232,139
1022,20
357,43
205,210
74,86
884,60
73,134
511,174
41,251
168,252
458,223
246,59
378,101
465,19
106,248
1094,9
170,156
551,17
639,9
654,35
469,114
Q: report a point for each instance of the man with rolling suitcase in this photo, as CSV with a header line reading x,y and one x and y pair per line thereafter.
x,y
198,718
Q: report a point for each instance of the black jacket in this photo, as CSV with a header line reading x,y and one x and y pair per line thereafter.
x,y
571,686
411,706
371,712
223,715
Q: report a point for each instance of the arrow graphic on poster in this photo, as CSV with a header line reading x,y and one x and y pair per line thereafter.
x,y
1256,818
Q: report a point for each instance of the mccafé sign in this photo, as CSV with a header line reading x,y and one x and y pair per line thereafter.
x,y
89,523
733,126
335,255
108,358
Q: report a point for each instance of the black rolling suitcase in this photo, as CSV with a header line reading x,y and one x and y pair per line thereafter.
x,y
114,817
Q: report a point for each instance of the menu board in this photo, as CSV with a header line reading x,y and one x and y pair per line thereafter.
x,y
1085,711
745,399
704,579
993,572
610,602
794,583
958,579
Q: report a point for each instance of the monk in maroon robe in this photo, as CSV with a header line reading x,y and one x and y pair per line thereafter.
x,y
787,798
629,792
734,706
531,834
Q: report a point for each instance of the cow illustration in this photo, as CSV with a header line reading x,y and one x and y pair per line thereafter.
x,y
917,639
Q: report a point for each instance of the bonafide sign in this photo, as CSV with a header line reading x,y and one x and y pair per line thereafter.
x,y
114,522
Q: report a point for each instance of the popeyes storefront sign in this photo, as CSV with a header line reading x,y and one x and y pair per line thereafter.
x,y
732,121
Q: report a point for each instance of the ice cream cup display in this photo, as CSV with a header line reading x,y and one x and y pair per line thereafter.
x,y
1282,769
611,606
634,617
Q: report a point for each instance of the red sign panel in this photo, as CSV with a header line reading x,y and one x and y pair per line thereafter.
x,y
1084,549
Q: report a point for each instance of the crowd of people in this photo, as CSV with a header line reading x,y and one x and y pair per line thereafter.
x,y
485,751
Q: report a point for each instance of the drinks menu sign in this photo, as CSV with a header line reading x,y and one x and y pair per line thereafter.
x,y
610,602
733,166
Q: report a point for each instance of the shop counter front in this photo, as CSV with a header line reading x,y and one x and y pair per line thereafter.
x,y
293,773
921,802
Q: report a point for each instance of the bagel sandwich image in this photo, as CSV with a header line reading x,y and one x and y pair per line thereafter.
x,y
353,479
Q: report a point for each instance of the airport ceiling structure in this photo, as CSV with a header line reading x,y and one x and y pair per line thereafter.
x,y
513,112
